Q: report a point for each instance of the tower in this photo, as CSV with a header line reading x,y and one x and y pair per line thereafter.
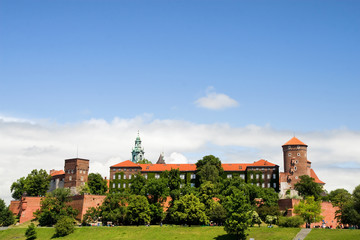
x,y
296,163
76,173
137,152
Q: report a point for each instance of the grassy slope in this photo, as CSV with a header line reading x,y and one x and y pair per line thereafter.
x,y
153,232
333,234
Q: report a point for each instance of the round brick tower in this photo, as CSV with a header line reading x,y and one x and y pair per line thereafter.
x,y
295,160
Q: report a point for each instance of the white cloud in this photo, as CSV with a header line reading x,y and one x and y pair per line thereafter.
x,y
216,101
24,146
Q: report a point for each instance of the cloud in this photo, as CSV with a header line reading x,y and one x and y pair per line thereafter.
x,y
27,145
216,101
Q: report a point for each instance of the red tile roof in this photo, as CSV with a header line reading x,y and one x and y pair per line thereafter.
x,y
55,173
313,175
262,163
294,141
126,163
230,167
168,167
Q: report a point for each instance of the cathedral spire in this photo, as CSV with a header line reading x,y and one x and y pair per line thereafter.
x,y
137,152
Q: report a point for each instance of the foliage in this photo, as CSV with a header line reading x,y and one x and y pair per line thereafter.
x,y
35,184
157,213
53,207
264,210
295,221
308,187
97,184
157,189
144,161
188,210
64,226
270,219
255,219
138,210
92,215
30,233
7,218
309,210
174,181
217,213
269,196
138,184
113,208
239,214
209,169
83,189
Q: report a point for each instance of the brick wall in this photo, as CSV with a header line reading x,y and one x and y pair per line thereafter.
x,y
15,207
28,205
83,202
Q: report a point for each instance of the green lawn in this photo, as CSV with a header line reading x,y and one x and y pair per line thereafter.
x,y
333,234
153,232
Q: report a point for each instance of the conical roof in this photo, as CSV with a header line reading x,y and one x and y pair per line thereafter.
x,y
294,141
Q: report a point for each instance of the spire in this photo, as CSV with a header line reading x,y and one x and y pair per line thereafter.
x,y
137,152
161,159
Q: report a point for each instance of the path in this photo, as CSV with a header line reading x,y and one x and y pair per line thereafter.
x,y
302,234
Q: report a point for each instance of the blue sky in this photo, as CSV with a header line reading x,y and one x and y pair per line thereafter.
x,y
291,64
232,78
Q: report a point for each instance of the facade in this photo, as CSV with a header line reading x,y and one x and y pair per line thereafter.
x,y
76,173
296,164
137,152
57,179
261,173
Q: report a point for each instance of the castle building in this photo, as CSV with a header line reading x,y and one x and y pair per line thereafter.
x,y
137,152
296,164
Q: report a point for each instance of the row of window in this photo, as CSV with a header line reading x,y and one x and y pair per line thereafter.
x,y
268,185
129,185
124,169
268,176
242,176
81,178
262,169
157,176
298,154
72,171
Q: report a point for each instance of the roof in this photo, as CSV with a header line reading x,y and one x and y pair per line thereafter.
x,y
167,167
294,141
262,163
126,163
55,173
313,175
230,167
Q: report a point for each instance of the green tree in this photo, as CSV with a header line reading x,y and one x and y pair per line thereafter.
x,y
207,192
144,161
30,233
113,208
239,214
308,187
157,213
138,185
340,198
138,210
271,219
309,210
188,210
35,184
217,213
209,169
255,218
293,222
6,216
54,206
174,181
92,215
264,210
64,226
97,184
157,189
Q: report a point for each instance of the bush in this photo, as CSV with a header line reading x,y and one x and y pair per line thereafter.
x,y
294,221
30,233
64,226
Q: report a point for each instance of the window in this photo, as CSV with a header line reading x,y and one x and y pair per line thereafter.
x,y
124,169
242,176
114,176
262,176
192,184
124,185
182,176
193,176
268,185
70,178
181,185
229,176
72,171
145,175
157,176
289,154
124,176
263,185
295,168
119,185
274,176
129,184
80,171
129,176
268,176
252,176
298,154
274,185
113,185
258,184
82,178
257,176
298,147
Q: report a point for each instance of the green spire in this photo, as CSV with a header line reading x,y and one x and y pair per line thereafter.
x,y
137,152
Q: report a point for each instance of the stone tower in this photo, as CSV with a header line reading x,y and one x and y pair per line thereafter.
x,y
137,152
76,173
296,163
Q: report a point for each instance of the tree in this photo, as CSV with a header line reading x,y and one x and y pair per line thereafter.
x,y
64,226
54,206
308,187
138,184
30,233
265,210
174,181
209,169
188,210
340,198
157,189
309,210
271,219
255,219
92,215
157,213
35,184
293,222
138,210
97,184
6,216
217,213
239,214
113,208
144,161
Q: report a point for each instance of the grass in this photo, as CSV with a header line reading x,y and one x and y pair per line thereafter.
x,y
334,234
153,232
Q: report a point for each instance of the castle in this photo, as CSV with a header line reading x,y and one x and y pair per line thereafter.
x,y
260,173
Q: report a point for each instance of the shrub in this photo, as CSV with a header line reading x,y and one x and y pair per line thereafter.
x,y
64,226
30,233
294,221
